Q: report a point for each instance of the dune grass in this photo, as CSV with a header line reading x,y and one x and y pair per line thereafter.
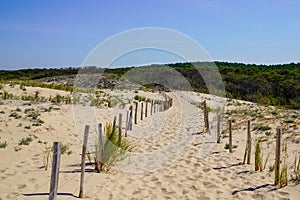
x,y
258,157
112,148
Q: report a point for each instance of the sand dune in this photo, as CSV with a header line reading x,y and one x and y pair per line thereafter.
x,y
173,158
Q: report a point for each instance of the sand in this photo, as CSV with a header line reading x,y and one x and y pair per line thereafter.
x,y
173,159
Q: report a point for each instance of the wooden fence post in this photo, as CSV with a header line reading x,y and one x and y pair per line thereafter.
x,y
85,140
204,113
218,129
130,118
142,109
135,114
127,123
55,171
120,129
99,153
248,142
146,111
114,123
277,155
230,136
151,107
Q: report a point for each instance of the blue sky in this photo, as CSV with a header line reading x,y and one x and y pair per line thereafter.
x,y
35,33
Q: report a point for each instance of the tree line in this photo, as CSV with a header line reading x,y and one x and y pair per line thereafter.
x,y
276,85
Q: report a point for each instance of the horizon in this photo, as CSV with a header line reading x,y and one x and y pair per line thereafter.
x,y
144,65
51,34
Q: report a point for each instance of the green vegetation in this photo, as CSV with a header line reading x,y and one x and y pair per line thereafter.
x,y
261,127
276,85
258,157
25,141
112,148
15,115
296,176
227,146
3,144
140,98
65,149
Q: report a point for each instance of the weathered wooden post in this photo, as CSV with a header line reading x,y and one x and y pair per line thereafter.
x,y
151,111
120,129
277,156
218,129
55,171
146,111
130,118
84,146
99,153
127,123
135,114
142,109
114,123
248,142
206,122
204,113
230,136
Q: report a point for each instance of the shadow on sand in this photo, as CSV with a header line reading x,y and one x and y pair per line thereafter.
x,y
47,194
251,189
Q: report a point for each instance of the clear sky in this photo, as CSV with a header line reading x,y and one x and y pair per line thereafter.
x,y
54,33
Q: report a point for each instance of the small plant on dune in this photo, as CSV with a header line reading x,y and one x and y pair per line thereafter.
x,y
271,168
261,127
296,176
3,144
15,115
268,133
65,149
34,114
283,181
27,127
258,157
57,99
68,100
46,156
25,141
112,148
227,146
5,95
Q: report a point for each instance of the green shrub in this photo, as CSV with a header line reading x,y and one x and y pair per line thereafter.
x,y
25,141
65,149
15,115
268,133
227,146
261,127
3,144
288,121
34,114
